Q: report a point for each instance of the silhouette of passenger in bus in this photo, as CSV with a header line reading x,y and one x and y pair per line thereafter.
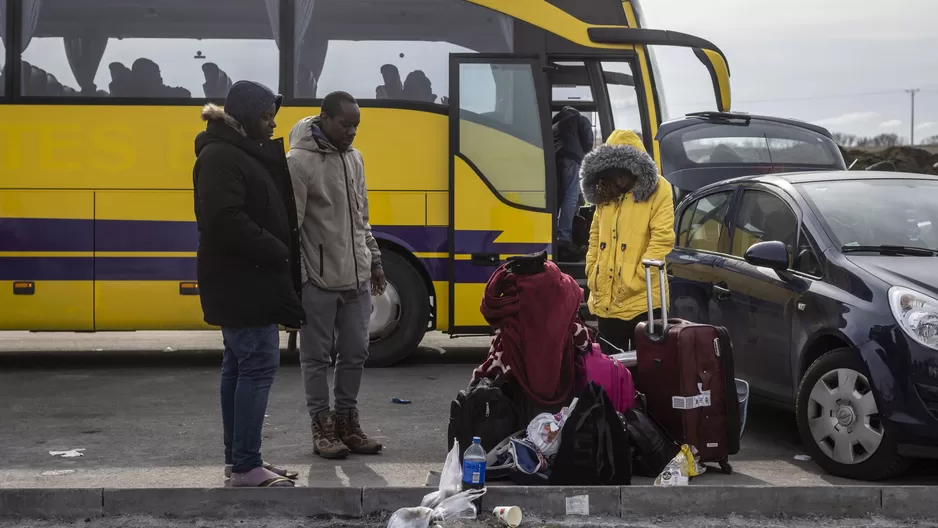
x,y
392,87
217,83
121,80
417,87
38,82
148,81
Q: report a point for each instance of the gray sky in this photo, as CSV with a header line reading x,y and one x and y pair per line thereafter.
x,y
823,52
840,63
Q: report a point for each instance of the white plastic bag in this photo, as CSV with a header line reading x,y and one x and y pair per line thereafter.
x,y
544,430
411,518
450,480
458,506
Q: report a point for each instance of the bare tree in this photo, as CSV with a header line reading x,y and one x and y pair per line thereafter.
x,y
844,140
882,140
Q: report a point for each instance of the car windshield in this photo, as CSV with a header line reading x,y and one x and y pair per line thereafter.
x,y
886,212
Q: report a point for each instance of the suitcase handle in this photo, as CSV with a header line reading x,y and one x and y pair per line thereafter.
x,y
650,329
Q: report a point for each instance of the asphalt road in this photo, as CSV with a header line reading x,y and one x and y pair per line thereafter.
x,y
144,408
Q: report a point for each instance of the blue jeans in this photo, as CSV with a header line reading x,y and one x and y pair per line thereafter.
x,y
252,356
570,189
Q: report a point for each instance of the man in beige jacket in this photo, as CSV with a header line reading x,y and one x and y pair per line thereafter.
x,y
341,271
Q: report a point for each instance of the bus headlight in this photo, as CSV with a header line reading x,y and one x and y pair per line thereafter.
x,y
917,315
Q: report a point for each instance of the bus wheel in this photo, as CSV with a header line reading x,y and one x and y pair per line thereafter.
x,y
400,315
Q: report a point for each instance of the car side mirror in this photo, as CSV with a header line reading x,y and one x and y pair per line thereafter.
x,y
773,254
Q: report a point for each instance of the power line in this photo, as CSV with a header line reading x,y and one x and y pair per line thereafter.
x,y
815,97
819,97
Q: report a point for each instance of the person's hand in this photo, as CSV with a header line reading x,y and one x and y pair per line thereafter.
x,y
378,282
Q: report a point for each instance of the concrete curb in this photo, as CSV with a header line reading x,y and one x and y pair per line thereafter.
x,y
545,502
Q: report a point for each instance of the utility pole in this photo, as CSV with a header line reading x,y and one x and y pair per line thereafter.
x,y
912,128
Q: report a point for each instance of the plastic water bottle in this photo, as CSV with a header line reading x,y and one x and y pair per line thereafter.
x,y
473,469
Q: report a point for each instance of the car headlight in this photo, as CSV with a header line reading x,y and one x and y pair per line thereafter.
x,y
916,313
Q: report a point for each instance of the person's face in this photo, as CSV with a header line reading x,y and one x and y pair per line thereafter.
x,y
612,184
265,124
341,128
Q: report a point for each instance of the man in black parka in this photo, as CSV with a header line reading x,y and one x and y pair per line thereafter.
x,y
248,265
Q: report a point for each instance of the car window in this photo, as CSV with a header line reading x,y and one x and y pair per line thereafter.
x,y
702,224
763,217
806,260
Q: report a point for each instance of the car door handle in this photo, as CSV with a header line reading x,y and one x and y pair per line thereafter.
x,y
721,292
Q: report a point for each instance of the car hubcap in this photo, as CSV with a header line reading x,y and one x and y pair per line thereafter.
x,y
843,417
385,313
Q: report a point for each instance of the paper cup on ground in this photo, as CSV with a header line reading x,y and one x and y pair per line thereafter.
x,y
510,515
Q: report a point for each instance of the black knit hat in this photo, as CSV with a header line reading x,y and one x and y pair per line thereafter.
x,y
247,100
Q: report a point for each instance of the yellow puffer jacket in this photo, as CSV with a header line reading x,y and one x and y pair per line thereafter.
x,y
638,225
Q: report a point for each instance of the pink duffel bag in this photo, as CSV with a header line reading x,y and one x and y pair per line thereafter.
x,y
609,374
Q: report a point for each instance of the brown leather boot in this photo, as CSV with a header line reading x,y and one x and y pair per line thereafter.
x,y
325,441
351,434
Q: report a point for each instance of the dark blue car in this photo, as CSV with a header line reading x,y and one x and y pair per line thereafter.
x,y
828,284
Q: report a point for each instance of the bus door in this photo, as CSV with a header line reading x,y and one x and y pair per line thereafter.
x,y
501,186
603,89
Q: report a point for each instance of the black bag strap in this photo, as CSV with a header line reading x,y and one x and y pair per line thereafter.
x,y
531,264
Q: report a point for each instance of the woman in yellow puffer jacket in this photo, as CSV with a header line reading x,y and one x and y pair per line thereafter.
x,y
634,220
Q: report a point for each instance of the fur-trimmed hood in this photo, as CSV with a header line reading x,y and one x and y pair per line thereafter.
x,y
622,150
212,112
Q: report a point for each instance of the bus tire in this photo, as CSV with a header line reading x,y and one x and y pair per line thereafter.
x,y
407,322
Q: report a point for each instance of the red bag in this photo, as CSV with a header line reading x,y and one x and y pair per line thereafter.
x,y
686,373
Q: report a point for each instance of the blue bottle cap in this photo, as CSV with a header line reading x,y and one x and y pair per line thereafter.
x,y
476,440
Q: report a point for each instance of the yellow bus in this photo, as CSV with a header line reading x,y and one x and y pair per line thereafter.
x,y
100,103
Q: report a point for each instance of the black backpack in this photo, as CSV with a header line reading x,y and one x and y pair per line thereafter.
x,y
594,447
483,410
652,447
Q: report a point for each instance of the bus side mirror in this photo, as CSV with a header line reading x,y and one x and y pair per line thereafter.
x,y
719,74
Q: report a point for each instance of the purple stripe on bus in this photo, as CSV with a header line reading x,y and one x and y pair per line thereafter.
x,y
468,273
39,234
46,268
46,234
418,239
145,235
484,242
174,269
145,269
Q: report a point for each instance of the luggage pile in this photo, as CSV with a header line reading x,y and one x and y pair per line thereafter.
x,y
551,408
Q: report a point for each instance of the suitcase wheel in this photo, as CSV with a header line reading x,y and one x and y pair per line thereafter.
x,y
725,467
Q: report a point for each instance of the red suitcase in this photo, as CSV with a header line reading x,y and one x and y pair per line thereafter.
x,y
686,372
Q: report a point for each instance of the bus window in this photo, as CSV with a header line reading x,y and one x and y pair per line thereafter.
x,y
390,49
3,49
570,86
147,49
500,129
620,82
570,83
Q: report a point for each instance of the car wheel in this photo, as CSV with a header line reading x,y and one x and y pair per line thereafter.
x,y
839,421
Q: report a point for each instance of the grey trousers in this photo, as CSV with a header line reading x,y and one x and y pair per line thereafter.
x,y
337,319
